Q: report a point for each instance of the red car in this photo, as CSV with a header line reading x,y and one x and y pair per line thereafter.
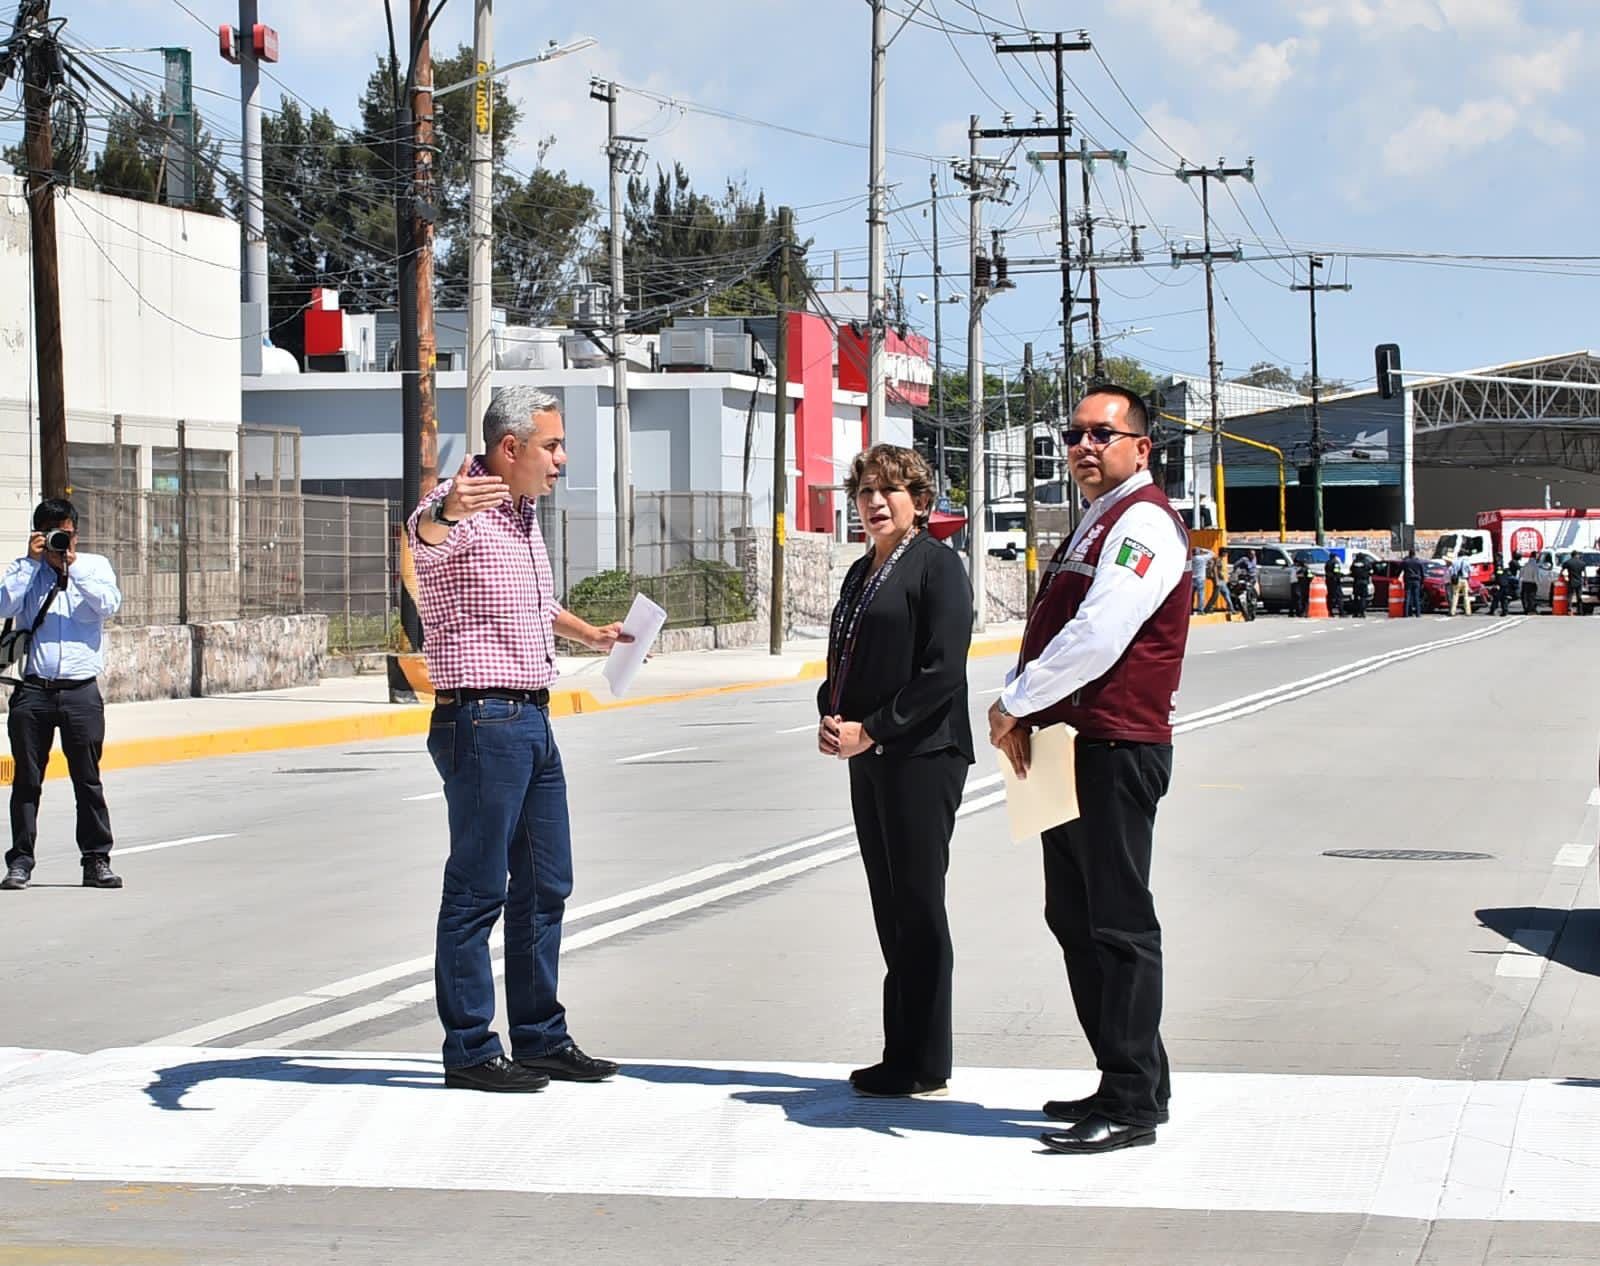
x,y
1435,585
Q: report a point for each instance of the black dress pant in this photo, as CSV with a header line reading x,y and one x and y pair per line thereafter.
x,y
36,714
905,813
1097,902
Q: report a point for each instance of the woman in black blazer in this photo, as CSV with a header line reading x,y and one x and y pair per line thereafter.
x,y
895,706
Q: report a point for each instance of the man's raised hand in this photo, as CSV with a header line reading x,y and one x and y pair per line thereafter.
x,y
471,493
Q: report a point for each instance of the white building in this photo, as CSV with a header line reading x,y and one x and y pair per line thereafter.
x,y
150,322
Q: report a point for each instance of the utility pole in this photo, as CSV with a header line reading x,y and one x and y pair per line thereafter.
x,y
780,426
480,229
415,209
41,76
938,342
623,154
1209,257
977,491
1086,250
1314,262
249,51
1031,555
877,218
985,178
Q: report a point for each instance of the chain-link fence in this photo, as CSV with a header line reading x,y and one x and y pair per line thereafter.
x,y
223,555
686,554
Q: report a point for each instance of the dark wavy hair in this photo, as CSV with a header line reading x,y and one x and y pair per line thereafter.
x,y
891,466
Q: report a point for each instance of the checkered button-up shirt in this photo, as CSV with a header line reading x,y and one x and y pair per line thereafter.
x,y
487,598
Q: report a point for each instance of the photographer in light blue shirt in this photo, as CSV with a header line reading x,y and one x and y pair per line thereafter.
x,y
65,598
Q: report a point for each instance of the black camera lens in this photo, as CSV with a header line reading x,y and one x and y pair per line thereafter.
x,y
58,542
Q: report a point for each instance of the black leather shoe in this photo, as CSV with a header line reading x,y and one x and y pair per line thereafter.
x,y
1074,1110
880,1082
568,1063
17,877
97,873
497,1074
1096,1133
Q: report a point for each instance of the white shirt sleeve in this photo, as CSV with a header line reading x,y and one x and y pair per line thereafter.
x,y
1118,603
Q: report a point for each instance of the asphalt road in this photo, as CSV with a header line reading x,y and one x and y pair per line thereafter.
x,y
1376,1058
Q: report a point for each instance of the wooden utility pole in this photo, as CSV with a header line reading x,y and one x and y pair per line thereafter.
x,y
1209,257
780,419
37,93
1314,262
425,210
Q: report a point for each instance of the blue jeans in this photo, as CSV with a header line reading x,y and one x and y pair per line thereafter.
x,y
507,800
1413,600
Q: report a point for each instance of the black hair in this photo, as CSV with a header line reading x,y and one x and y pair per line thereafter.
x,y
49,512
1138,411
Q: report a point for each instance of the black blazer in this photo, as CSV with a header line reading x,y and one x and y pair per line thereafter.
x,y
907,682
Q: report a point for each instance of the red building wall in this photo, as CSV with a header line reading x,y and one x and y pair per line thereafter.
x,y
811,366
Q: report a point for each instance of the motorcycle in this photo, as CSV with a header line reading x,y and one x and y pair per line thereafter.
x,y
1245,598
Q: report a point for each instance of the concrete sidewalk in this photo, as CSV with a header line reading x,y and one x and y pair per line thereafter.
x,y
348,709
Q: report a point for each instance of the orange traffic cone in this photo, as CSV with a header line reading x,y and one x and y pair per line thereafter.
x,y
1318,605
1558,596
1397,598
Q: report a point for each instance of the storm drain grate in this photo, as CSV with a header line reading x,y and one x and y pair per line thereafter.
x,y
332,769
1406,855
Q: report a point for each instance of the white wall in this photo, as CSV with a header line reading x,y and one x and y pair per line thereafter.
x,y
150,330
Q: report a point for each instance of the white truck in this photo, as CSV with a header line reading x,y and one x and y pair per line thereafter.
x,y
1540,540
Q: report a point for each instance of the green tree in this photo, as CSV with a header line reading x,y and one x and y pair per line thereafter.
x,y
683,249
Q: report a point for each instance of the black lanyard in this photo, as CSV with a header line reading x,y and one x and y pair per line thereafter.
x,y
847,620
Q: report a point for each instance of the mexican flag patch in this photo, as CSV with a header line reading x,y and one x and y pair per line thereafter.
x,y
1134,556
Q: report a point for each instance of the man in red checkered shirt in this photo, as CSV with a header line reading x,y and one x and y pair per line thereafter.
x,y
490,619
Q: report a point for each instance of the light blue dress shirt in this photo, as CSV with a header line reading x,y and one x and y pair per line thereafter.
x,y
68,644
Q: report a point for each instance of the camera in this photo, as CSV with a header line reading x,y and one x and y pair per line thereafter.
x,y
58,542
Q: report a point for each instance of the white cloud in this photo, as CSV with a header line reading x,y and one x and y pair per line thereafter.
x,y
1385,17
1526,77
1190,33
1436,137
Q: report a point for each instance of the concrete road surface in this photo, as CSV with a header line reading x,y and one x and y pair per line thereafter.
x,y
1379,1057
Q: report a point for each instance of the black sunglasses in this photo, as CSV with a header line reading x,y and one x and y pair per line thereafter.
x,y
1101,435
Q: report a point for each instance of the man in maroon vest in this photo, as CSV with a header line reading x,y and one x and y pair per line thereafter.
x,y
1102,651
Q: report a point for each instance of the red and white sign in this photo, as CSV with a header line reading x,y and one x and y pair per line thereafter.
x,y
228,43
1527,540
265,42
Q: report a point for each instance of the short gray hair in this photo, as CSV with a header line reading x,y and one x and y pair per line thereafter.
x,y
511,412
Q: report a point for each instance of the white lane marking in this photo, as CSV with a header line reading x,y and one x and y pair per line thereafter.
x,y
1574,854
665,751
1294,637
213,1030
1405,1147
432,795
188,839
1525,956
418,994
1594,796
1271,641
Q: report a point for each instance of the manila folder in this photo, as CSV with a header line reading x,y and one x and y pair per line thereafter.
x,y
1048,796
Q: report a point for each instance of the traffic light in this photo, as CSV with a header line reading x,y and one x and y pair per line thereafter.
x,y
1044,453
1387,358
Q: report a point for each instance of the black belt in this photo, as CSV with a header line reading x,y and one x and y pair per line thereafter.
x,y
539,698
58,684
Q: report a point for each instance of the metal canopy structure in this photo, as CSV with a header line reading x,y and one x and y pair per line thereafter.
x,y
1550,420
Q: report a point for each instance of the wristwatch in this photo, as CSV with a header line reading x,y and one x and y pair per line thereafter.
x,y
438,516
1001,704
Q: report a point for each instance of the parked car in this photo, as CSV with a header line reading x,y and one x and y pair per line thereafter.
x,y
1540,572
1276,570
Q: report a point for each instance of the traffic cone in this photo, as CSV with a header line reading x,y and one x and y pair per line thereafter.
x,y
1397,598
1558,596
1318,605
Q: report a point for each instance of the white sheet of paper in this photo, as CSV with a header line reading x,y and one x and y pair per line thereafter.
x,y
644,623
1048,796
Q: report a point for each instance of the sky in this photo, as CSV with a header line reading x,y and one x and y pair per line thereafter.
x,y
1376,127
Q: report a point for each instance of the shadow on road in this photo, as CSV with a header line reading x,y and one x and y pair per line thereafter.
x,y
171,1084
830,1104
1576,933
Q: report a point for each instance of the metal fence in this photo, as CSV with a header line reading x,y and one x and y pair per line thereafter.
x,y
213,555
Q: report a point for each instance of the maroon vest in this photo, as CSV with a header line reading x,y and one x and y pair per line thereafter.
x,y
1133,699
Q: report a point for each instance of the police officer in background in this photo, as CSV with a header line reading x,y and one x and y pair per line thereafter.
x,y
1573,567
1412,571
1102,652
1360,584
1334,575
1300,588
1507,587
